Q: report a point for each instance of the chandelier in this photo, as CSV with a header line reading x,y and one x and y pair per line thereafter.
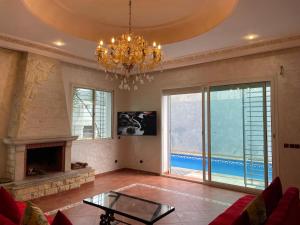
x,y
128,58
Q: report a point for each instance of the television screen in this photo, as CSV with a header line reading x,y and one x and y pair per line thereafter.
x,y
137,123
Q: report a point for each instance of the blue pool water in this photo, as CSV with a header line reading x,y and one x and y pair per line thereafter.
x,y
221,166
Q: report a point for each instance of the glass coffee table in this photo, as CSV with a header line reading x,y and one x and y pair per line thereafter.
x,y
144,211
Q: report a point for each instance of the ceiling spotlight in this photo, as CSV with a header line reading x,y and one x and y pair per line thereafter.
x,y
59,43
251,37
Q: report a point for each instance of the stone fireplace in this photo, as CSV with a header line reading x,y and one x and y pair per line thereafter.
x,y
28,157
38,146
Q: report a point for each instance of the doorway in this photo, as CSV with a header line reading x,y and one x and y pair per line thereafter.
x,y
220,134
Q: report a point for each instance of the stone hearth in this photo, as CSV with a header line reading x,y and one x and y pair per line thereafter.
x,y
39,186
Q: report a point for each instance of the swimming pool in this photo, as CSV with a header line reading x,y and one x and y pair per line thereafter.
x,y
221,166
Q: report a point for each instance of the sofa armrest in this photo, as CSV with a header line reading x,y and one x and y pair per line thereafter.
x,y
234,212
286,210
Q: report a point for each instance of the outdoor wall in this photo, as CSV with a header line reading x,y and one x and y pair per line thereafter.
x,y
237,70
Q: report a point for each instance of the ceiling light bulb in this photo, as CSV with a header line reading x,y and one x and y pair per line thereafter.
x,y
101,43
113,40
154,44
159,47
59,43
251,37
128,38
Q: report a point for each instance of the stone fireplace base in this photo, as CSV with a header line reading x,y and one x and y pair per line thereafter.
x,y
25,187
40,186
17,151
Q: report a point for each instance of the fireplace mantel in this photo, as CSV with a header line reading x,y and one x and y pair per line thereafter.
x,y
25,141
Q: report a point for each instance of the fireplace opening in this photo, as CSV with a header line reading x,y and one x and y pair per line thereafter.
x,y
45,158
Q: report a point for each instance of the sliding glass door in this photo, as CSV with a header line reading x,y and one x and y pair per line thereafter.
x,y
221,134
240,135
185,131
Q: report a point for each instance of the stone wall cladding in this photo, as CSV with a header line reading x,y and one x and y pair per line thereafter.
x,y
40,188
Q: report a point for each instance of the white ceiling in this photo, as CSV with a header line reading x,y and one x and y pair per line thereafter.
x,y
267,18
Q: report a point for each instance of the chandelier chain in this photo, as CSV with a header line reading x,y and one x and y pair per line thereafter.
x,y
130,16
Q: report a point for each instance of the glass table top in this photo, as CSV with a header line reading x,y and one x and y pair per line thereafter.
x,y
130,206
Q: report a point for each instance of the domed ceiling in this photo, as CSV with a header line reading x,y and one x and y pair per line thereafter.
x,y
165,21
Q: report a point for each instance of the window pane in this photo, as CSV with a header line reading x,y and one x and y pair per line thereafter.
x,y
103,106
83,113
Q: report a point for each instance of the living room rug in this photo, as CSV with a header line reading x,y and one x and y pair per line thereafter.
x,y
189,209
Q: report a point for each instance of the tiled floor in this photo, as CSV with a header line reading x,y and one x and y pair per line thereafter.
x,y
195,204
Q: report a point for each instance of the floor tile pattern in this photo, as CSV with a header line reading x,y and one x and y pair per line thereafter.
x,y
195,204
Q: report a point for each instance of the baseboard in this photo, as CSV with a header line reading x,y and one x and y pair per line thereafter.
x,y
108,172
127,169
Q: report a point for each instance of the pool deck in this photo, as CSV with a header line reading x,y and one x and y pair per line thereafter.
x,y
221,178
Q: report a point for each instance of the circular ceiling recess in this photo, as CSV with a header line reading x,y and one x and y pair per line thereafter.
x,y
165,21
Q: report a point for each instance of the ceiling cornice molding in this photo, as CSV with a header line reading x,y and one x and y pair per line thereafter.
x,y
7,41
233,52
13,43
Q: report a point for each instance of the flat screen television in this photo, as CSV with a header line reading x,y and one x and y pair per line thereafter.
x,y
137,123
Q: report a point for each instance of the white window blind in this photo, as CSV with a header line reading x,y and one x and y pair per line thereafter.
x,y
92,111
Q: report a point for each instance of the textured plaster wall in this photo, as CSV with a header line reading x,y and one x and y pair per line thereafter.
x,y
36,102
244,69
100,154
9,61
39,108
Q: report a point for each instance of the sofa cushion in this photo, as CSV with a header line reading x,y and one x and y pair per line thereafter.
x,y
5,221
33,215
8,206
242,219
293,217
61,219
272,194
235,213
256,211
286,211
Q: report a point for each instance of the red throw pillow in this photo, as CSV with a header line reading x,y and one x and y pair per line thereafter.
x,y
8,207
271,195
5,221
61,219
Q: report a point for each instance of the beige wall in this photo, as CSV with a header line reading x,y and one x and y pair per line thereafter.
x,y
100,154
8,71
244,69
35,101
39,104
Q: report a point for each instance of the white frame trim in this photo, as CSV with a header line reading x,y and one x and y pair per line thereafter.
x,y
112,110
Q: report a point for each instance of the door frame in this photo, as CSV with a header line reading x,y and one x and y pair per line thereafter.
x,y
274,125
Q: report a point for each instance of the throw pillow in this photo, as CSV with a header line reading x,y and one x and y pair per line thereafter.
x,y
61,219
256,211
272,195
5,221
33,215
8,206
